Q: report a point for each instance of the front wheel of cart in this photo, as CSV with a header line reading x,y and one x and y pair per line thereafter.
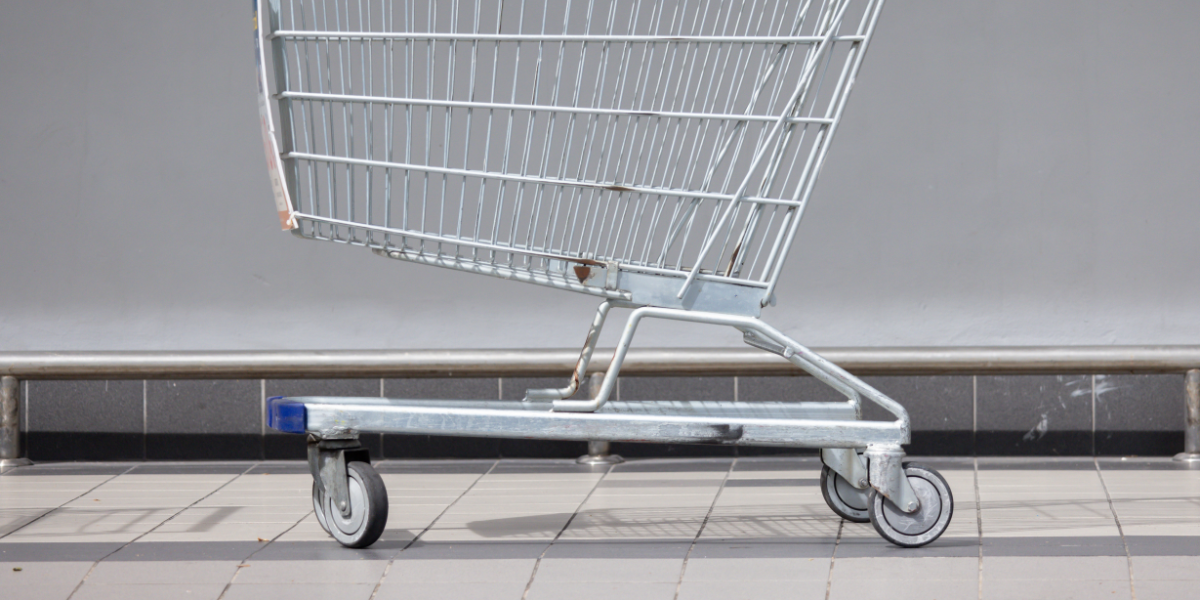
x,y
927,523
368,508
319,506
847,501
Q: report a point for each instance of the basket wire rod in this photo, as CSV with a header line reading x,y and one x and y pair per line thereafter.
x,y
462,199
508,133
535,210
775,130
487,146
595,200
389,111
420,36
874,9
585,355
527,146
452,58
614,149
557,192
368,74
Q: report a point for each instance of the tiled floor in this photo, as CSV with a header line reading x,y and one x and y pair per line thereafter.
x,y
657,529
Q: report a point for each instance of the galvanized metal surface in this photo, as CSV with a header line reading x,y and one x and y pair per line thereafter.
x,y
10,423
721,423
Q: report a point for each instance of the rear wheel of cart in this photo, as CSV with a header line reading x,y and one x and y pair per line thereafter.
x,y
928,522
849,502
368,508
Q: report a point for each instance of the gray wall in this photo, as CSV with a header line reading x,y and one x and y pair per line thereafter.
x,y
1008,172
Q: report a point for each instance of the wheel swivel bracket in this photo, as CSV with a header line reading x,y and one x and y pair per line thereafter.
x,y
327,458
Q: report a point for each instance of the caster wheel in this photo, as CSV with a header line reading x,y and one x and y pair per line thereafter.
x,y
319,506
368,508
847,501
911,530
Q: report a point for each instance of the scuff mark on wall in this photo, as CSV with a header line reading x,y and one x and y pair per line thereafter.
x,y
1038,430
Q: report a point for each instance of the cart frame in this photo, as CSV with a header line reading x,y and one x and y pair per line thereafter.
x,y
625,229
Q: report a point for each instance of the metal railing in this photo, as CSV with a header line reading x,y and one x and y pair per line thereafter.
x,y
15,366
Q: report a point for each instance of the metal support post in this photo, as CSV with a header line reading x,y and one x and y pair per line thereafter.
x,y
1191,431
10,423
598,452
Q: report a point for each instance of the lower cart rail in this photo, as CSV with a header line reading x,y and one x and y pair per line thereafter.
x,y
780,424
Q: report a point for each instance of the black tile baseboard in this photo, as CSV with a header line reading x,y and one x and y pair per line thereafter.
x,y
76,445
203,446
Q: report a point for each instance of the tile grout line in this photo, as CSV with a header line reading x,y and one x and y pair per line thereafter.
x,y
388,567
89,490
707,516
143,534
979,523
538,562
833,558
1120,530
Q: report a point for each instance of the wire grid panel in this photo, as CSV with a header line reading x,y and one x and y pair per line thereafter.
x,y
668,136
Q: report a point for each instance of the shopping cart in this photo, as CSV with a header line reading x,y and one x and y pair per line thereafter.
x,y
655,153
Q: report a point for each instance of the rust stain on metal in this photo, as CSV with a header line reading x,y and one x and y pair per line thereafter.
x,y
618,188
582,272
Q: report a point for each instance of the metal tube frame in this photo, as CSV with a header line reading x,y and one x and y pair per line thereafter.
x,y
10,423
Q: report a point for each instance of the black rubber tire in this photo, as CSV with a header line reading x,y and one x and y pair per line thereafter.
x,y
842,499
928,523
368,508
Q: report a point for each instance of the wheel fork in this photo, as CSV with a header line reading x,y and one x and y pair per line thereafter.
x,y
886,473
327,458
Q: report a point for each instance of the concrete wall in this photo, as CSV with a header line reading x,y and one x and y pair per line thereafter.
x,y
1008,172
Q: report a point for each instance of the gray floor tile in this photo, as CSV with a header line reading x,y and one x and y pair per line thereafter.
x,y
299,591
463,570
1039,463
775,548
1048,589
444,590
1163,545
214,468
150,591
545,466
70,469
752,590
1053,546
667,465
923,589
442,467
1056,567
755,569
162,572
600,590
596,549
56,552
868,547
1156,568
623,569
1164,589
186,551
327,550
772,482
50,579
774,463
281,467
311,571
473,550
1160,463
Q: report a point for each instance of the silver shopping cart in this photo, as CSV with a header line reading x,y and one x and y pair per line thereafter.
x,y
655,153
